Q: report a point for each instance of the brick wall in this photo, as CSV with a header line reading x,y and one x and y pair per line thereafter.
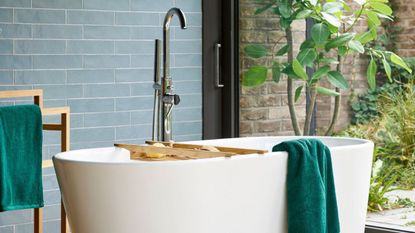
x,y
264,109
96,56
406,21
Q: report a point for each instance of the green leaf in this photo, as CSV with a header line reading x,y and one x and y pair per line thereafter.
x,y
276,11
326,91
297,93
283,50
381,8
304,14
337,79
264,8
331,19
320,33
390,18
371,74
284,23
276,72
313,2
365,37
343,50
307,56
356,46
255,51
346,7
373,30
333,29
398,61
288,70
285,10
332,7
320,72
377,53
372,16
388,69
309,43
338,41
329,60
299,70
255,76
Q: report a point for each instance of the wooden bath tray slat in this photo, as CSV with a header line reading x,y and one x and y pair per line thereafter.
x,y
236,151
179,151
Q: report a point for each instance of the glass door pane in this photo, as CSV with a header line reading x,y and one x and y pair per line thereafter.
x,y
264,108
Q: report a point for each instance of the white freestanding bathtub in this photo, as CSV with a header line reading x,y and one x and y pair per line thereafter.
x,y
104,192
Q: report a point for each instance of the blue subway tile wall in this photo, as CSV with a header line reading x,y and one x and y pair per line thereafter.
x,y
96,56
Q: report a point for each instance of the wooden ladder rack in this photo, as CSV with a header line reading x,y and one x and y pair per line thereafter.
x,y
63,127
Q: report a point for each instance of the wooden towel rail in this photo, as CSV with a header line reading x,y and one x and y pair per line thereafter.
x,y
63,127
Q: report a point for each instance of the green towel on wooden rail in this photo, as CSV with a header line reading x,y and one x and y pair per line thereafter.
x,y
20,157
311,195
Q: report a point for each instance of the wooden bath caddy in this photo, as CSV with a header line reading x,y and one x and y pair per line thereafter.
x,y
182,151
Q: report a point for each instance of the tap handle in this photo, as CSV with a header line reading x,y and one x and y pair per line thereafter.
x,y
171,99
176,99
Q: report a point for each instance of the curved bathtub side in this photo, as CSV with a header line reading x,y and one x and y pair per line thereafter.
x,y
238,195
352,170
227,196
352,164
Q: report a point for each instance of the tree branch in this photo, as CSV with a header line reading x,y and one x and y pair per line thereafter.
x,y
359,14
291,102
309,114
337,99
336,112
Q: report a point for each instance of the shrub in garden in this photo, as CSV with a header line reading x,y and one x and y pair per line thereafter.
x,y
393,131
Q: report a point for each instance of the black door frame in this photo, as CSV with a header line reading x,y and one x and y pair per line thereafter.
x,y
220,104
375,229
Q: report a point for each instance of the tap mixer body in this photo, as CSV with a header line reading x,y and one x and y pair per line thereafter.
x,y
165,99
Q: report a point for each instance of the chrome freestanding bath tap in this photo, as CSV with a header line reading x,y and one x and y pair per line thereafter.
x,y
164,98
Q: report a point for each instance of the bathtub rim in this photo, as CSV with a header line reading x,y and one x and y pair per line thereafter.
x,y
60,156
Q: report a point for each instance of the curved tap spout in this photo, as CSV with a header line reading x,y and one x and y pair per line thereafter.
x,y
168,99
166,37
169,16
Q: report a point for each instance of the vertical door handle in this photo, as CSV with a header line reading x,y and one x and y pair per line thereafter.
x,y
217,68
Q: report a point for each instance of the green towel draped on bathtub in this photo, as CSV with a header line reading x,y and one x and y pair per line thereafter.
x,y
311,196
20,157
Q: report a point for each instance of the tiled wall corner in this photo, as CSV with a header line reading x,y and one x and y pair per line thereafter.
x,y
96,56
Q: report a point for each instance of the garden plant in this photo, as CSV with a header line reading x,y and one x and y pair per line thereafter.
x,y
333,36
391,126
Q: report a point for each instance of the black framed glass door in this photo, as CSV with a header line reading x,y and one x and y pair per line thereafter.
x,y
220,69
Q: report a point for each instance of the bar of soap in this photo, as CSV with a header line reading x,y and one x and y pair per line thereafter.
x,y
155,155
158,144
